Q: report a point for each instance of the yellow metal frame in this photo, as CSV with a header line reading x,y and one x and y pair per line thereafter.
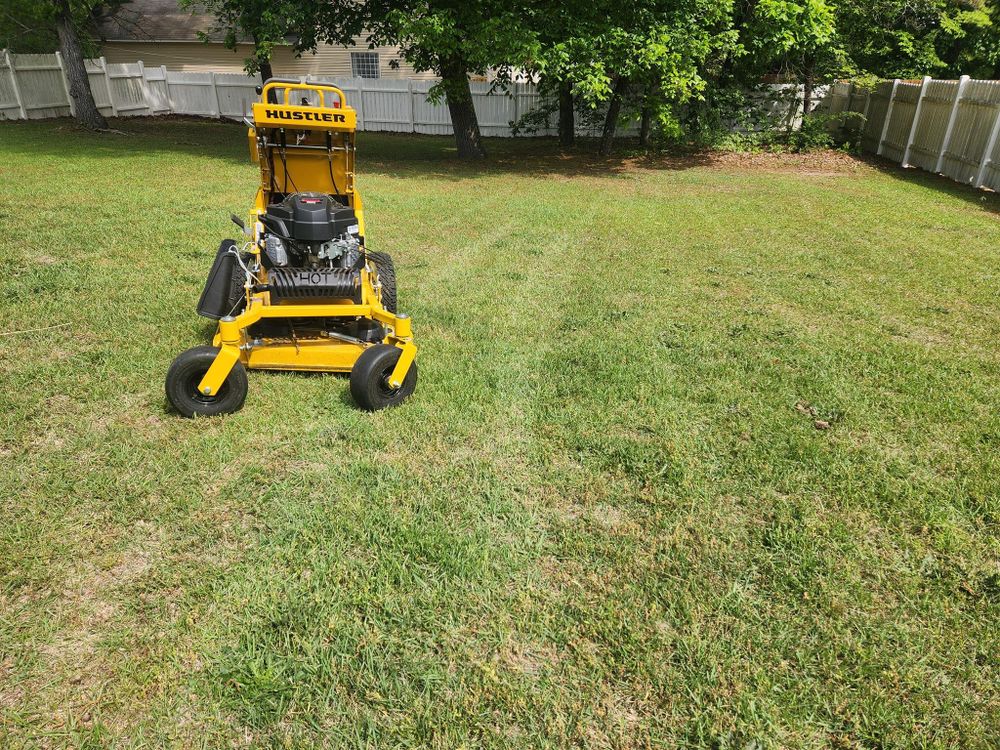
x,y
304,147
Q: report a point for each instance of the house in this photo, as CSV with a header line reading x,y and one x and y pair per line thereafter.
x,y
159,32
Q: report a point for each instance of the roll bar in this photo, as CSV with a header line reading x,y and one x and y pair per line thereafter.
x,y
292,84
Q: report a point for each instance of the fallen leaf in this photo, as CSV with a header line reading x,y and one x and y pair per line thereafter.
x,y
804,407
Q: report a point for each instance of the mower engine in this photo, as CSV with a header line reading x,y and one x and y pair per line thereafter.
x,y
312,248
310,230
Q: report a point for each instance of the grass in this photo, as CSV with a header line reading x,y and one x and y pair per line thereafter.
x,y
606,519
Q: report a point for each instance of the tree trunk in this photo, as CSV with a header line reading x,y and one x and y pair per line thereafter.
x,y
808,80
807,95
611,119
265,69
567,118
463,115
86,110
645,125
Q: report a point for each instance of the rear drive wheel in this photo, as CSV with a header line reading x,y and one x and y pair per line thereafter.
x,y
370,379
387,278
187,371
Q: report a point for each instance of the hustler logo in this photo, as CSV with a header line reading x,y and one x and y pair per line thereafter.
x,y
284,114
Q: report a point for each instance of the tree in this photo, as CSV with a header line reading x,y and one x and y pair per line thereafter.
x,y
451,38
266,23
912,38
559,27
40,26
644,57
27,27
797,38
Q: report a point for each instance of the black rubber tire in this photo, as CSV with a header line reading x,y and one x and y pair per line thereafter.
x,y
387,278
370,375
186,372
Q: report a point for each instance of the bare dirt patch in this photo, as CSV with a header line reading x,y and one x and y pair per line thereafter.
x,y
71,670
822,163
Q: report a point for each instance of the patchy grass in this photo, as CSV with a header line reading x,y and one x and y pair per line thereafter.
x,y
606,519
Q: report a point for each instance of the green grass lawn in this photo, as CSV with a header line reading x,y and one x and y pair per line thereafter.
x,y
605,520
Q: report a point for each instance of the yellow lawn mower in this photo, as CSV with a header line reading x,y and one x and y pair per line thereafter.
x,y
301,292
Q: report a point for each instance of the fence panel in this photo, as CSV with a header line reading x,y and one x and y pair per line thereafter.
x,y
974,121
386,104
878,109
495,111
236,94
192,93
935,112
429,118
10,106
904,107
855,113
127,89
154,81
836,102
990,169
99,86
40,83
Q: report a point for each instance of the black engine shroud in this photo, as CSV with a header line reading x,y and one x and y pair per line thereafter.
x,y
310,217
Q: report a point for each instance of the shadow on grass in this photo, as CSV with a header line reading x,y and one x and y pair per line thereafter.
x,y
402,154
986,200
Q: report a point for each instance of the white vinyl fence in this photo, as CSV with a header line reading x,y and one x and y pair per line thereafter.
x,y
945,127
34,87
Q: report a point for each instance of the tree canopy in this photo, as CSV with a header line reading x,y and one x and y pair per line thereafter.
x,y
646,58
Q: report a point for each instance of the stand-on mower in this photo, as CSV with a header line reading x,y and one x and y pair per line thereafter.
x,y
302,292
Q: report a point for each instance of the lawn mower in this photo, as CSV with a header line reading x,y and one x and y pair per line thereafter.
x,y
301,292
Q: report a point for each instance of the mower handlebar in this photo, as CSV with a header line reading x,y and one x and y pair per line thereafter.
x,y
291,84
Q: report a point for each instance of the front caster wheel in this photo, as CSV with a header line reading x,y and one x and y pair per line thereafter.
x,y
187,371
370,379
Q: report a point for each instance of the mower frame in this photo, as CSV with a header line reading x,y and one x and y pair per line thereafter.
x,y
323,130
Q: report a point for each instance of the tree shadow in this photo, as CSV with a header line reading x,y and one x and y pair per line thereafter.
x,y
128,137
987,200
394,154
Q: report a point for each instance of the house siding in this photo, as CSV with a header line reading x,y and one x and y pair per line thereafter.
x,y
200,56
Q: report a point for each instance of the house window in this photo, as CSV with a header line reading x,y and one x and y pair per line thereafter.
x,y
364,64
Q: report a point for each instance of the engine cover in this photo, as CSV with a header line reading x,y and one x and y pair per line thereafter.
x,y
310,217
311,283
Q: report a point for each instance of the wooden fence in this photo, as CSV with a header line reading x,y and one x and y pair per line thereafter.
x,y
945,127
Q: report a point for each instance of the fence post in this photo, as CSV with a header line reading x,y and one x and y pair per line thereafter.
x,y
359,107
13,83
951,123
65,83
107,83
215,92
888,117
411,108
166,89
916,121
988,153
143,86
